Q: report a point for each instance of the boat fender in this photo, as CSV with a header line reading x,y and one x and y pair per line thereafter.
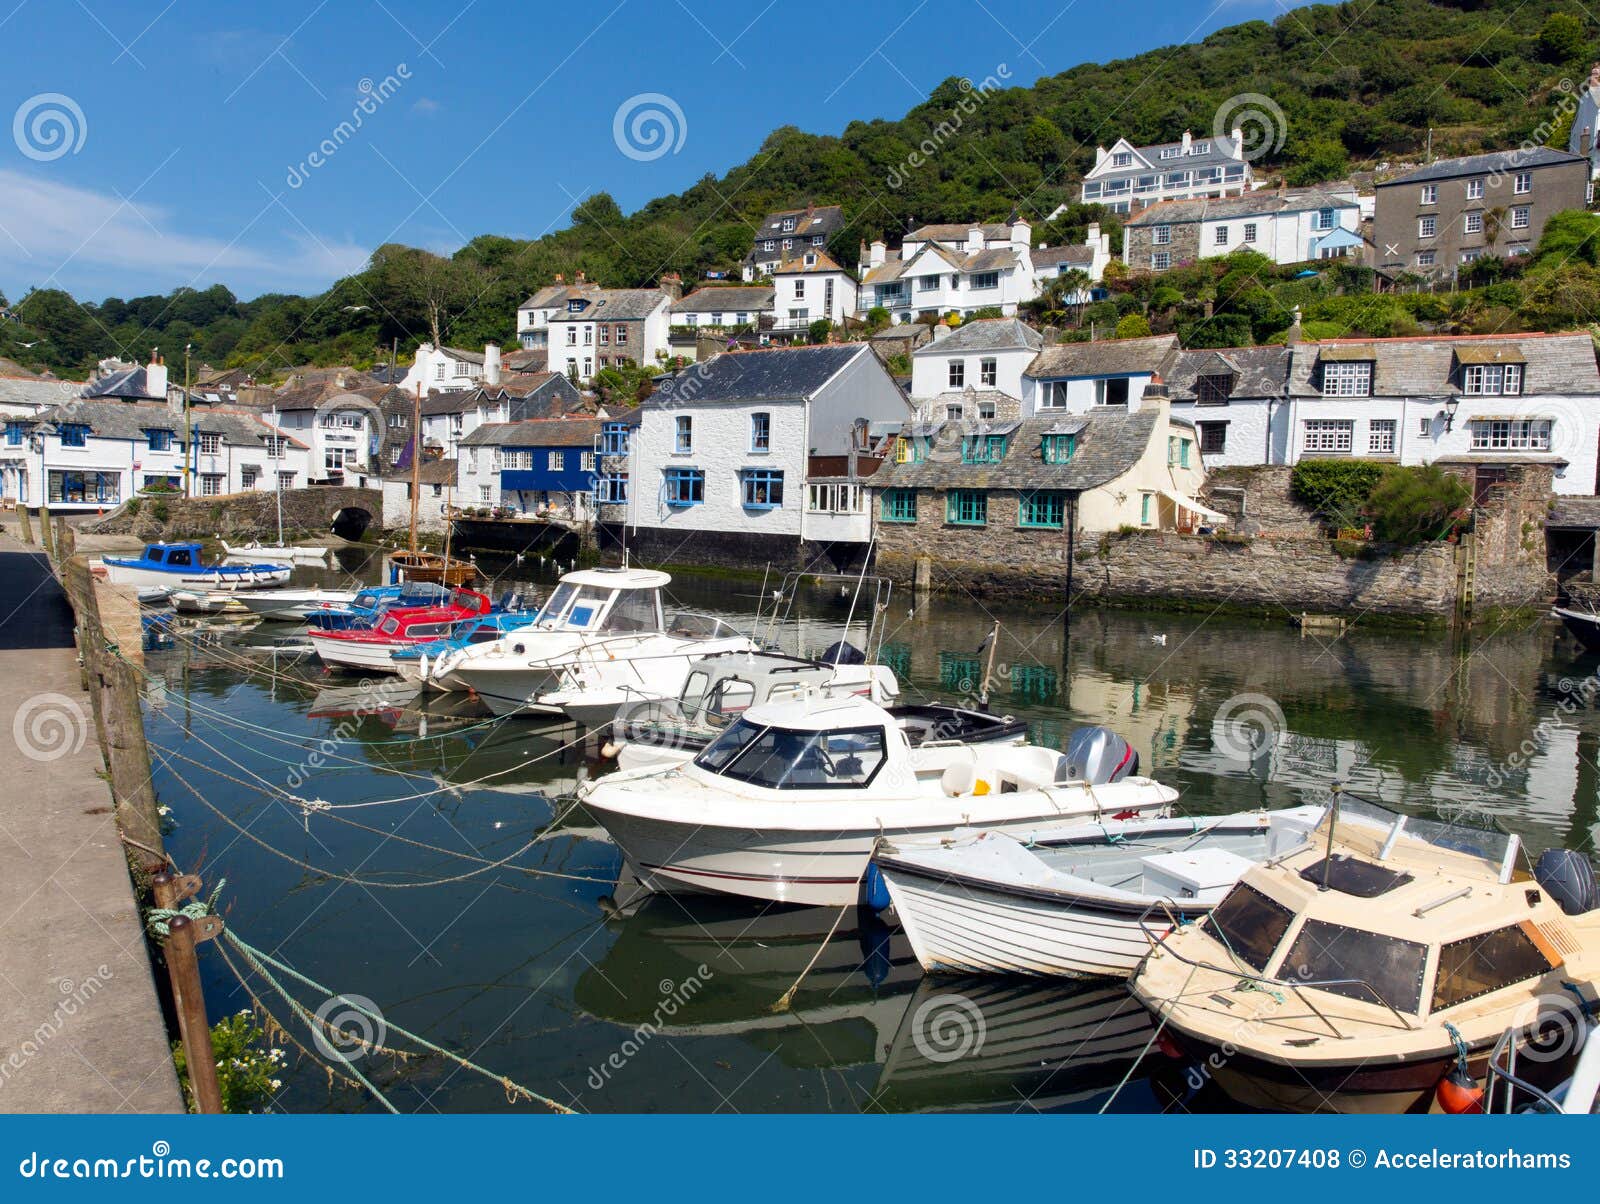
x,y
1458,1094
877,958
610,749
874,890
1569,878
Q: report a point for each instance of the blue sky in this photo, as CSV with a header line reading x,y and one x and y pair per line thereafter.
x,y
160,144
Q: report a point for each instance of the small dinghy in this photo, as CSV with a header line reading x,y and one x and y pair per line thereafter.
x,y
293,606
1076,902
298,554
206,602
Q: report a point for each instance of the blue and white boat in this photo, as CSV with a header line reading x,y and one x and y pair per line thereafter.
x,y
181,566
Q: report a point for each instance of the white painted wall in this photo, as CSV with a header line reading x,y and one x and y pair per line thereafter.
x,y
1077,395
438,370
930,369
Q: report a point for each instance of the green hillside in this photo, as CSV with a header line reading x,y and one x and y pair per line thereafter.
x,y
1359,85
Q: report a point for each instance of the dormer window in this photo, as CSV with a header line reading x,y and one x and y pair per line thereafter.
x,y
74,434
1059,449
1347,378
1492,380
574,306
983,449
1213,388
788,225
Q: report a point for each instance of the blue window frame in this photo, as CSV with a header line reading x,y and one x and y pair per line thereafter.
x,y
1058,449
683,435
74,434
611,488
685,486
966,507
763,488
983,449
899,506
159,440
14,433
760,432
1046,508
614,439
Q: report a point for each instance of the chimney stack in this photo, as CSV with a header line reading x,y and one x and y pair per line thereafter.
x,y
561,278
672,285
579,278
879,254
1188,142
155,376
941,330
491,364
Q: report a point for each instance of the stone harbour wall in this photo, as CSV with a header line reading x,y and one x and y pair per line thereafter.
x,y
236,515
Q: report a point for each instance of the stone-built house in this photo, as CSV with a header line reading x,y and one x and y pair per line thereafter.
x,y
974,371
612,327
1020,493
788,232
1285,227
1479,404
1433,221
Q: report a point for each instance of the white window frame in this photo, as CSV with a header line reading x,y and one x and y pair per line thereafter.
x,y
1475,189
1347,378
1427,226
1492,380
1381,436
1521,217
1522,184
1472,223
1510,434
1327,436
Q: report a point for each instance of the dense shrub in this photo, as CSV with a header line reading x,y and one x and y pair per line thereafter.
x,y
1411,505
1337,489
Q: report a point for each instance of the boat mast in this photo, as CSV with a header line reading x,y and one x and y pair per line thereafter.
x,y
416,461
277,477
449,524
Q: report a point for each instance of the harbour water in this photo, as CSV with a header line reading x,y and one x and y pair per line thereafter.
x,y
429,859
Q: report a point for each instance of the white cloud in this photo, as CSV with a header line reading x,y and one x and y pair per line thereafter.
x,y
426,104
68,237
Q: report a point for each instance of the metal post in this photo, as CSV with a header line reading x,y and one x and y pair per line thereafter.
x,y
183,968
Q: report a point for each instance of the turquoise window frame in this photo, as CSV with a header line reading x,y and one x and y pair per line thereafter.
x,y
1183,453
1059,449
750,478
1054,504
1144,508
983,449
898,506
966,508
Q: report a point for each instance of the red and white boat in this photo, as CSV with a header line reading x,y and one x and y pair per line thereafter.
x,y
370,648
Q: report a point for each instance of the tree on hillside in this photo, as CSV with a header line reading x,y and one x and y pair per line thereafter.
x,y
433,288
1561,38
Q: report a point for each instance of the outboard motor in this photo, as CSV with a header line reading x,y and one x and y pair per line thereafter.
x,y
510,602
843,654
1569,879
1097,755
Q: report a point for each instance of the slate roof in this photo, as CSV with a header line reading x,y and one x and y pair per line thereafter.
x,y
981,261
552,295
1251,204
540,432
1220,154
825,220
1581,513
798,265
732,299
128,382
1045,257
459,401
36,392
130,420
1474,165
779,373
958,231
436,472
1256,371
614,305
986,334
1108,357
530,359
1427,367
1110,443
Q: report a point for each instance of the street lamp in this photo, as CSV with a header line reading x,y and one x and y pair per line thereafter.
x,y
1451,405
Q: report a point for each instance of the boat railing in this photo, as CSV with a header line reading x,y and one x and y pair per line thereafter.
x,y
1298,986
1501,1082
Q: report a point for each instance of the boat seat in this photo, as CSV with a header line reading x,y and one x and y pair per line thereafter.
x,y
961,778
1029,769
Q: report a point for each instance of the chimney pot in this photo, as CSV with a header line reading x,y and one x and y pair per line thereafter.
x,y
491,364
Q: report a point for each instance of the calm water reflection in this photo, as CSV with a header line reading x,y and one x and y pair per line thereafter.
x,y
397,891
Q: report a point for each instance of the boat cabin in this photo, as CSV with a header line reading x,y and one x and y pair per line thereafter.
x,y
172,555
611,600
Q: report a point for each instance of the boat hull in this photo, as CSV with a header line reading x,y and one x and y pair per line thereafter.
x,y
366,655
957,927
310,555
196,579
289,607
1583,626
821,868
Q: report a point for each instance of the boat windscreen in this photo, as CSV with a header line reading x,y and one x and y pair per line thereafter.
x,y
1250,925
1349,961
783,759
634,610
1465,833
555,606
697,627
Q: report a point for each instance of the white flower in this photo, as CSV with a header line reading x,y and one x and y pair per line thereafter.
x,y
277,1083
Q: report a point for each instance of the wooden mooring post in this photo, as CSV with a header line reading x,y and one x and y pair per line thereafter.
x,y
45,533
188,1000
24,525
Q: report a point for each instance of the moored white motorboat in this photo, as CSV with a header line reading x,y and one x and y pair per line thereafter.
x,y
594,620
205,602
790,802
298,553
1076,903
292,606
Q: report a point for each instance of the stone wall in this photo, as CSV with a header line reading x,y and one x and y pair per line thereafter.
x,y
1259,501
236,516
1141,245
